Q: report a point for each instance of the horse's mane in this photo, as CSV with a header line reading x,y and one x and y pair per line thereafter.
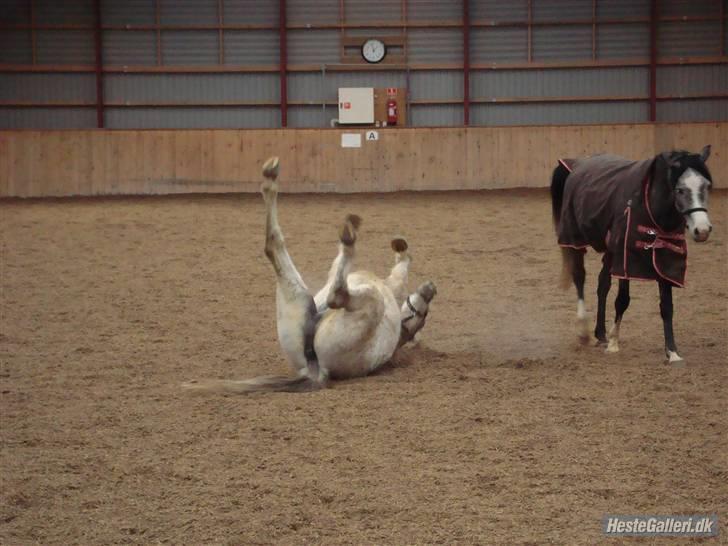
x,y
682,160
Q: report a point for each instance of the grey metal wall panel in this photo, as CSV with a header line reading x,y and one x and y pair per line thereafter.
x,y
561,10
436,84
562,43
191,88
497,10
558,114
190,47
688,38
311,116
121,47
188,12
47,118
501,45
623,41
627,81
435,45
366,11
334,80
251,47
250,12
48,87
434,10
690,8
15,12
55,12
686,80
129,12
441,115
15,47
693,110
614,9
192,118
312,11
313,46
309,86
65,47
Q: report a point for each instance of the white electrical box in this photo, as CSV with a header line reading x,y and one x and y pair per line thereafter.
x,y
356,105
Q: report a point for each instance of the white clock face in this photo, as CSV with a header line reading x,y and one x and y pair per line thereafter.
x,y
373,51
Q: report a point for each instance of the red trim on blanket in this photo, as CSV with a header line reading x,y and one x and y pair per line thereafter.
x,y
565,165
628,212
575,247
630,278
668,279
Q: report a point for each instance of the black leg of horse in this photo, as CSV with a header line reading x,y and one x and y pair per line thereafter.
x,y
605,283
578,275
666,314
620,306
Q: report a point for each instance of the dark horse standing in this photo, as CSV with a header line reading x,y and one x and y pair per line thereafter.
x,y
636,213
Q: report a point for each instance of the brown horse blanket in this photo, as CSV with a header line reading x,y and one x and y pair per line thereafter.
x,y
606,206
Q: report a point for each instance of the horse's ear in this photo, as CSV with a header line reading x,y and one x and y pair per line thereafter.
x,y
705,153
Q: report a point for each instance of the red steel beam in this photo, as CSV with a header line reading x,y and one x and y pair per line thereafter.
x,y
653,61
99,66
283,52
466,63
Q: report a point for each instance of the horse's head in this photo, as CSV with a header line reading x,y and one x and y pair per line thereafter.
x,y
689,182
414,311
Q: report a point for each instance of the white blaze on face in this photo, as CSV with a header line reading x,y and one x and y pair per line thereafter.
x,y
692,192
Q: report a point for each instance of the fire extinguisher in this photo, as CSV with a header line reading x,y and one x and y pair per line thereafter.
x,y
391,112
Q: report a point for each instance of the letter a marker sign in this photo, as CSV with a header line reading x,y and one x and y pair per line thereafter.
x,y
372,135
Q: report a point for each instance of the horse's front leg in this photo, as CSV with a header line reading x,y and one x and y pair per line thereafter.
x,y
605,283
397,280
666,314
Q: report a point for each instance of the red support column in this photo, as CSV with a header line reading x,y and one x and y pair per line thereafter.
x,y
99,66
653,61
283,50
466,63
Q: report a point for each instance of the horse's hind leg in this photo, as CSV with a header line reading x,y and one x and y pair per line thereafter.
x,y
605,283
574,264
397,280
620,306
295,308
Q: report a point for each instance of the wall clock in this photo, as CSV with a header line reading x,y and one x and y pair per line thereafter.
x,y
373,50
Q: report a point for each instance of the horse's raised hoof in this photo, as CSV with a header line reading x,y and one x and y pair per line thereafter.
x,y
349,229
271,168
399,245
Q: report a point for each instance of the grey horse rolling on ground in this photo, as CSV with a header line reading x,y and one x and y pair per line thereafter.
x,y
350,328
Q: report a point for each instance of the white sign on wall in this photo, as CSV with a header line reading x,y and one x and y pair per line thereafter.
x,y
351,140
372,135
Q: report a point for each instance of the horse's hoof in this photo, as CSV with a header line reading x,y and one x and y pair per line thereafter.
x,y
612,348
600,342
584,340
675,359
348,230
271,167
399,245
354,219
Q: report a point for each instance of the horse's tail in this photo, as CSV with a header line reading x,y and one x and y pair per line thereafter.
x,y
266,383
558,180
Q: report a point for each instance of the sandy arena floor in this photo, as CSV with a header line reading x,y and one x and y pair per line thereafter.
x,y
497,428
